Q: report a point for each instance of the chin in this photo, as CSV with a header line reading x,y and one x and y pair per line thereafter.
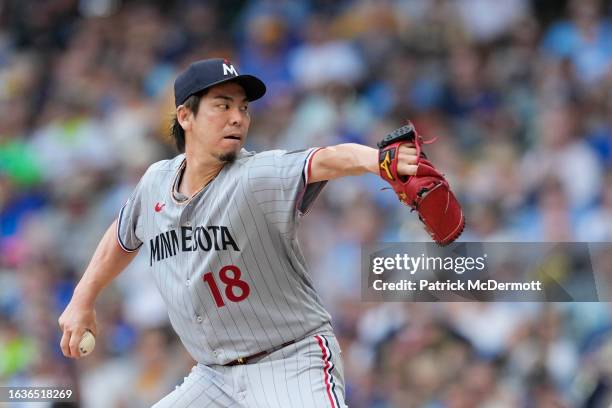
x,y
227,157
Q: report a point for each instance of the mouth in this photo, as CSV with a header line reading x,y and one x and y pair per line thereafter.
x,y
232,137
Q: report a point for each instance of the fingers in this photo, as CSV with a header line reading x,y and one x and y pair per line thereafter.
x,y
64,343
75,339
408,154
408,150
405,169
407,160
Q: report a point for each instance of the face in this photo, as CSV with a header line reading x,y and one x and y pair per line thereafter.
x,y
221,124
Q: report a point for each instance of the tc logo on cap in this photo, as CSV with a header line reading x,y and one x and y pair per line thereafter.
x,y
229,69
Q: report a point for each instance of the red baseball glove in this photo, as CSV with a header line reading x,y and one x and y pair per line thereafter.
x,y
427,192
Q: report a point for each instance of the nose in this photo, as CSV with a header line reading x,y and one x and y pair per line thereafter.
x,y
236,117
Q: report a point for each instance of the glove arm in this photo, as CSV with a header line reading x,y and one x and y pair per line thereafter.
x,y
347,159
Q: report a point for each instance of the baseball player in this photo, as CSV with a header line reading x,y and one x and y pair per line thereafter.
x,y
218,227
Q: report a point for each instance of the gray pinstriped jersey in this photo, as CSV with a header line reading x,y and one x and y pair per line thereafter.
x,y
227,261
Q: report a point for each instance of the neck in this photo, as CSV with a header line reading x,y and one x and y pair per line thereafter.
x,y
200,169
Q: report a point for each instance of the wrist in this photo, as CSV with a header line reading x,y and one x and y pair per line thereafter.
x,y
84,295
371,164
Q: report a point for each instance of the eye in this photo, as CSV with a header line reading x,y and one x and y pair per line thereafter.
x,y
244,108
223,106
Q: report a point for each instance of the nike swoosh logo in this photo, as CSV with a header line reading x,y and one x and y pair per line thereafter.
x,y
158,207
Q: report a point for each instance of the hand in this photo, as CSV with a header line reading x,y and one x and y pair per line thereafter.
x,y
407,160
76,319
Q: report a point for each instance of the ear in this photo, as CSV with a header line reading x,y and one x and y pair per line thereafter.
x,y
184,117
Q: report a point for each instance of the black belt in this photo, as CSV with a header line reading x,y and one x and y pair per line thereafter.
x,y
261,354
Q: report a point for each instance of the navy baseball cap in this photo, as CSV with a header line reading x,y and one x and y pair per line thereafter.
x,y
206,73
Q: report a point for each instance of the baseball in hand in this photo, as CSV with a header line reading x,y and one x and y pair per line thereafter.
x,y
87,343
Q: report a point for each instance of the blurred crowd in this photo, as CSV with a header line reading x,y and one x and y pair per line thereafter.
x,y
517,92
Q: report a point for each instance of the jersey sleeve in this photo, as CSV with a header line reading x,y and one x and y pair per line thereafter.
x,y
129,225
279,182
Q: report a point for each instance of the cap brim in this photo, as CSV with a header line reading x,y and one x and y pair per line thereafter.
x,y
254,88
